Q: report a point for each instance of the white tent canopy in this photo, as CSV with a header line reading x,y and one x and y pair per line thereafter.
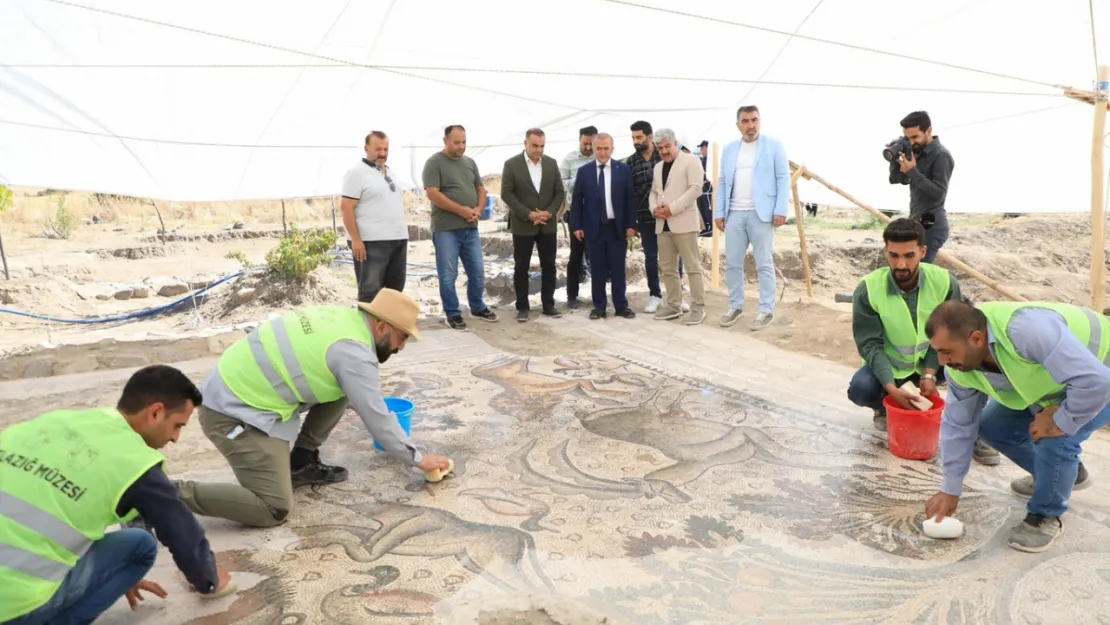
x,y
256,100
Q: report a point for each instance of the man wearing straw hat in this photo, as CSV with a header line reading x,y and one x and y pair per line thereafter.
x,y
1033,380
321,359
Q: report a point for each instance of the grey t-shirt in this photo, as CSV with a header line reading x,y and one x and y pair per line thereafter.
x,y
355,367
459,180
380,213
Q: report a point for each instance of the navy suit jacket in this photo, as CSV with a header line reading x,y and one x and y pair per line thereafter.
x,y
587,209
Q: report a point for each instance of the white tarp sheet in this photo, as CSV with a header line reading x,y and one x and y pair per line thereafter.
x,y
246,99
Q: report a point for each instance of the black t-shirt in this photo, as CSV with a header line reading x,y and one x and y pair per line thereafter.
x,y
666,174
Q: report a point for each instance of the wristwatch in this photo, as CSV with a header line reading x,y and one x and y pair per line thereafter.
x,y
929,376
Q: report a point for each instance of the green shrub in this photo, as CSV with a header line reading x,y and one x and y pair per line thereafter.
x,y
301,251
5,199
63,223
238,255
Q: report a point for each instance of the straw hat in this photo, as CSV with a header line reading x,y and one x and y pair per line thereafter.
x,y
396,309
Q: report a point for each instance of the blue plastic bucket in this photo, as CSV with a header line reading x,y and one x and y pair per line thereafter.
x,y
488,211
403,408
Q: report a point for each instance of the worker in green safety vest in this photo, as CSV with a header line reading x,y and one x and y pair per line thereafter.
x,y
889,310
317,361
1033,380
67,476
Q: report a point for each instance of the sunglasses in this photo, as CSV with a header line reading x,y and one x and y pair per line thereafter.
x,y
392,187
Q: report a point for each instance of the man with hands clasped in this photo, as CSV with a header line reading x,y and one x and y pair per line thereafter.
x,y
1031,379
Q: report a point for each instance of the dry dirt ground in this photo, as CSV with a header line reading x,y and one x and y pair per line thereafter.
x,y
114,263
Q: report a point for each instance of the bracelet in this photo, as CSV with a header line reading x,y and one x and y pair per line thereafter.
x,y
929,376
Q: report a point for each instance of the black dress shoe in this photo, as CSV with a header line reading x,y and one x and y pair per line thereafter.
x,y
522,315
597,314
551,311
626,313
574,304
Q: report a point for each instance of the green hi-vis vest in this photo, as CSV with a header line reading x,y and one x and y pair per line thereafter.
x,y
61,479
906,345
1032,384
282,363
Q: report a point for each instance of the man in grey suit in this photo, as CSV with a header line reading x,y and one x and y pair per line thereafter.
x,y
533,188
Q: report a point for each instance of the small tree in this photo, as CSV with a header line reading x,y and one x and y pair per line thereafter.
x,y
301,251
63,222
5,204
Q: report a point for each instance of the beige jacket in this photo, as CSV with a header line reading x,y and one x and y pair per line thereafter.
x,y
681,194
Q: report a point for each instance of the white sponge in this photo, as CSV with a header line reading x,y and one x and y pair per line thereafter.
x,y
947,527
918,401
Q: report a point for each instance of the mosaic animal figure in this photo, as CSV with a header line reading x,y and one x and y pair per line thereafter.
x,y
502,502
698,444
531,395
578,482
499,554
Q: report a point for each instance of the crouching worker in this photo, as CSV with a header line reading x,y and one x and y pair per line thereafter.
x,y
889,311
320,359
66,476
1032,379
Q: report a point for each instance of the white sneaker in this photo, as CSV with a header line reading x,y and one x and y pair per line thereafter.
x,y
653,304
685,306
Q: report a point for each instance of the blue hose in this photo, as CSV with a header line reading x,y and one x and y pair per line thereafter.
x,y
135,315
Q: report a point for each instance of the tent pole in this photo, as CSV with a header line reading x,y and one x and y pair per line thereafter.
x,y
1098,219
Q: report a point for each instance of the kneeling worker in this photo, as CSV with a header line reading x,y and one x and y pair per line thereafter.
x,y
889,310
318,358
66,476
1030,378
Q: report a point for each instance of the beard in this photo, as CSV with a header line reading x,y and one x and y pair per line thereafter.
x,y
383,351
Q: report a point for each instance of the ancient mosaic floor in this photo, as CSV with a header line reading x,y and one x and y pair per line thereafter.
x,y
606,486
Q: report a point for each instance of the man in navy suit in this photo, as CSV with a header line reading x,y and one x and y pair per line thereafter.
x,y
603,214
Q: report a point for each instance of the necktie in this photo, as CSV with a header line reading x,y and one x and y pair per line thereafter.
x,y
601,186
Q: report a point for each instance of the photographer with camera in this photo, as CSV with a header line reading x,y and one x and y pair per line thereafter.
x,y
918,159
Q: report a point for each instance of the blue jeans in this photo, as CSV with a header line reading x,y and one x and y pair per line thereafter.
x,y
111,567
450,246
935,238
866,390
741,229
650,242
1053,462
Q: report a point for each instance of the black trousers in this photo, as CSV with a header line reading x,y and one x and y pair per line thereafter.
x,y
385,267
523,244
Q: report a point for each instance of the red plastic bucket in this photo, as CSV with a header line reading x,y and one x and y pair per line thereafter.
x,y
913,434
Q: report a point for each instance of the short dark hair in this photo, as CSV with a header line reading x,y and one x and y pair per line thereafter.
x,y
158,384
751,108
959,318
375,133
642,126
588,131
533,131
917,119
903,230
453,127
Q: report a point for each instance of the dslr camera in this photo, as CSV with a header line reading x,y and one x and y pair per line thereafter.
x,y
901,145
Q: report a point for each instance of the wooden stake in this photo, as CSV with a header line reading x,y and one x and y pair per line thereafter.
x,y
284,229
949,259
162,224
1098,191
799,218
4,257
716,283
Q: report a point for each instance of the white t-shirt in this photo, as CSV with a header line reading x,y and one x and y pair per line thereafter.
x,y
743,198
608,186
380,213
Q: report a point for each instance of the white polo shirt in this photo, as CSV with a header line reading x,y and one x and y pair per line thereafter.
x,y
380,213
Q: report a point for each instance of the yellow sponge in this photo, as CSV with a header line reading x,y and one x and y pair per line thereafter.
x,y
437,475
223,592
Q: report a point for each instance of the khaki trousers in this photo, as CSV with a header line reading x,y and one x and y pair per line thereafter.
x,y
264,495
672,246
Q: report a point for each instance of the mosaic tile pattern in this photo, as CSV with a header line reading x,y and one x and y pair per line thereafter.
x,y
630,492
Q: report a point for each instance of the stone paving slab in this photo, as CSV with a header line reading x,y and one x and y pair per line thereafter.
x,y
679,475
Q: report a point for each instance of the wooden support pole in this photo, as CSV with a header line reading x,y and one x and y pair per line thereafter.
x,y
1098,192
943,255
4,257
799,218
716,262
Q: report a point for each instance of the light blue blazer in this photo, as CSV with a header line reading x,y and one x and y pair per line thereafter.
x,y
771,179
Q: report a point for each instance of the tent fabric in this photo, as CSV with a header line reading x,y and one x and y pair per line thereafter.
x,y
261,100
